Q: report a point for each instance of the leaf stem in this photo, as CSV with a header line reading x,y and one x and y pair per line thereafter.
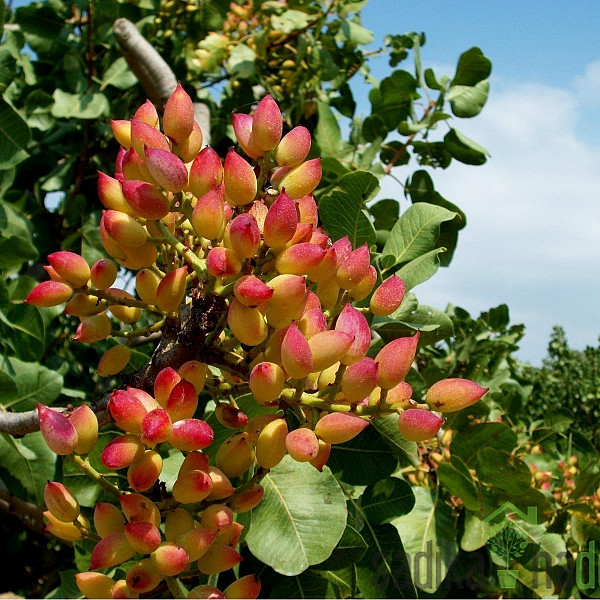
x,y
86,467
198,264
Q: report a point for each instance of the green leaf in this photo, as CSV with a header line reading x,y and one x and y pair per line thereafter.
x,y
434,325
342,210
392,101
306,585
502,470
429,528
349,550
170,469
469,442
80,106
30,461
241,62
355,33
420,269
343,581
405,451
68,586
387,500
475,535
119,75
416,232
290,20
386,213
289,531
457,479
14,136
327,134
431,81
473,66
464,149
8,388
468,101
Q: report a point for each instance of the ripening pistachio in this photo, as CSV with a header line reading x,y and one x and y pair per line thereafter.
x,y
354,323
122,590
122,131
244,235
53,274
140,257
400,395
94,585
307,208
270,445
83,305
165,381
326,269
170,559
142,577
178,116
387,297
188,149
303,179
281,221
328,347
273,348
146,284
244,587
247,324
119,162
110,193
146,399
64,531
127,411
235,455
221,486
450,395
258,209
147,201
337,428
302,235
367,283
328,292
251,291
59,433
196,541
289,293
195,372
85,422
110,245
206,591
231,536
49,293
182,402
191,434
343,248
145,471
208,217
293,147
142,537
125,314
133,168
418,425
171,290
242,127
240,180
122,451
360,379
267,124
302,444
354,267
222,262
178,522
166,169
144,135
110,551
313,321
125,230
299,259
206,172
147,113
395,360
108,519
218,559
328,376
191,487
71,267
136,507
156,427
61,502
217,517
103,273
318,462
231,417
280,318
296,355
245,500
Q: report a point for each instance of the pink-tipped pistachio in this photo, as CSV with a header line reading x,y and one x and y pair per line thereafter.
x,y
84,419
235,455
360,379
337,428
450,395
58,431
222,262
206,172
367,283
244,235
251,291
108,519
296,354
395,360
178,117
122,451
195,372
388,296
329,347
122,132
142,537
182,402
110,551
145,471
281,221
144,135
191,434
165,381
247,324
266,382
303,179
302,444
103,273
354,267
299,259
171,290
49,293
267,124
111,194
242,127
231,417
170,559
71,267
240,180
293,147
208,217
166,169
188,149
418,425
61,502
354,323
94,585
146,201
156,427
126,411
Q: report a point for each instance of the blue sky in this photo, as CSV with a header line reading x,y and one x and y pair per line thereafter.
x,y
533,210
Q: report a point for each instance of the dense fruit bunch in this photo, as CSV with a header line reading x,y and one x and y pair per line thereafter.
x,y
245,233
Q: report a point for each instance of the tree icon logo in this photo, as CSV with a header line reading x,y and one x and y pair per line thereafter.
x,y
508,544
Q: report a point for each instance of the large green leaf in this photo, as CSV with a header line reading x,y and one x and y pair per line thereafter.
x,y
465,149
327,134
433,324
468,101
392,101
429,529
473,66
420,269
342,210
388,430
300,519
457,479
387,500
290,20
119,75
14,136
349,550
80,106
502,470
469,442
306,585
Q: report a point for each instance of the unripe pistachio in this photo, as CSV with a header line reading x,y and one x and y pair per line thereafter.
x,y
146,284
360,379
217,517
122,132
450,395
247,324
354,268
302,235
307,208
270,446
191,487
296,355
188,149
142,577
242,127
217,559
354,323
171,290
318,462
400,395
328,347
109,244
221,486
231,536
273,347
144,135
395,360
83,305
251,291
165,381
191,434
139,508
196,542
299,259
267,124
170,559
70,267
146,201
166,169
145,471
222,262
328,292
266,382
182,402
59,433
418,425
289,293
235,455
49,293
206,591
64,531
195,372
281,221
208,217
245,500
122,451
312,322
85,422
367,283
178,116
126,411
326,269
178,522
337,428
142,537
110,551
103,273
194,461
111,194
147,113
293,148
231,417
303,179
133,169
302,444
108,519
240,180
122,590
388,296
206,172
125,230
94,585
125,314
61,502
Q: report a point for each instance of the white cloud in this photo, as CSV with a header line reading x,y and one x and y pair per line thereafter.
x,y
533,211
588,84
